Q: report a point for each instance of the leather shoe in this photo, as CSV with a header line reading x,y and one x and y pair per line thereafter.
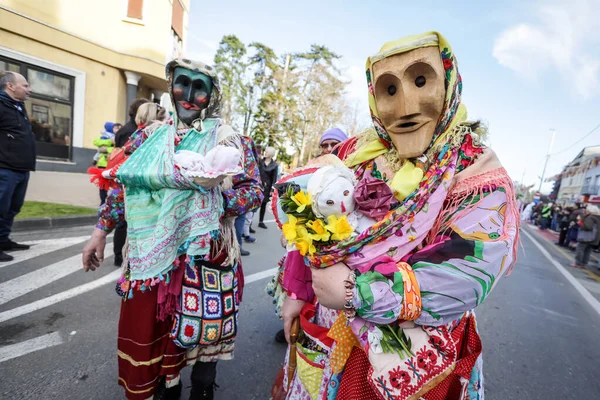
x,y
262,225
280,337
118,261
10,245
244,252
5,257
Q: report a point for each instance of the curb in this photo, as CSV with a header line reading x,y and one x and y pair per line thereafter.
x,y
32,224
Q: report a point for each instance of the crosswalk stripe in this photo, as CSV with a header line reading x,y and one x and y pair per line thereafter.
x,y
260,275
67,294
29,346
26,283
41,247
86,287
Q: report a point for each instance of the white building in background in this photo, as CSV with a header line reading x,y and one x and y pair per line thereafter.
x,y
578,178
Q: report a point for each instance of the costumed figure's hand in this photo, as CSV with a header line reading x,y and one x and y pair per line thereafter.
x,y
209,183
93,252
103,149
329,287
290,310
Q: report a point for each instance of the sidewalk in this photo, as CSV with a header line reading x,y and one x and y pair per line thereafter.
x,y
63,188
589,278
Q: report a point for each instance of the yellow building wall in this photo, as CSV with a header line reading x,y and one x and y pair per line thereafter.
x,y
145,60
105,22
105,87
95,37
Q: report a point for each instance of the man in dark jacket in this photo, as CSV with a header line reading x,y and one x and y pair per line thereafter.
x,y
17,155
122,136
588,237
269,171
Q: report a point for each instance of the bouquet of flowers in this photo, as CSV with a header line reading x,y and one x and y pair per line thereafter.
x,y
304,228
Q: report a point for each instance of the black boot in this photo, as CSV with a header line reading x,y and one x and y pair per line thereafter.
x,y
203,381
165,393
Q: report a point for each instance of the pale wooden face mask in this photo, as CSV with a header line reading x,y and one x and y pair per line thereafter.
x,y
409,92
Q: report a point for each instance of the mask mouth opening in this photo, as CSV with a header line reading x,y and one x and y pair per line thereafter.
x,y
189,106
407,125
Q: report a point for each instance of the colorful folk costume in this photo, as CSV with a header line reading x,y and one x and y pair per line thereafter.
x,y
445,230
182,277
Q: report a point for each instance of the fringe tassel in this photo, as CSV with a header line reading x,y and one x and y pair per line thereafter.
x,y
227,242
169,289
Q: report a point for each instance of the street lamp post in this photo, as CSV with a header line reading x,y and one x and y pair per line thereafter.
x,y
547,158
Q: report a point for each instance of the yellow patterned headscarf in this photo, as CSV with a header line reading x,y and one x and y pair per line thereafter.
x,y
407,179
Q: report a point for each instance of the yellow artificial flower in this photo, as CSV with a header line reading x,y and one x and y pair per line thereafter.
x,y
339,227
302,200
289,228
304,242
318,227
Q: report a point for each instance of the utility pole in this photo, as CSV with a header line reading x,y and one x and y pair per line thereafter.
x,y
547,158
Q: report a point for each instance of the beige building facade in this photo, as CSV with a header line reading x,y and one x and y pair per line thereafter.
x,y
85,61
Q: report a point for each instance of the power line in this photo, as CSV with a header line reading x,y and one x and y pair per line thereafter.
x,y
573,145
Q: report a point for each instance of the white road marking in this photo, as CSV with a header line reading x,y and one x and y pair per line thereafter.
x,y
29,346
576,284
86,287
260,275
41,247
51,300
24,284
268,221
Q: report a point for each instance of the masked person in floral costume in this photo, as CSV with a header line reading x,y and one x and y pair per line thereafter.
x,y
393,315
182,278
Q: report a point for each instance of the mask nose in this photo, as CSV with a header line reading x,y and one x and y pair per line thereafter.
x,y
188,93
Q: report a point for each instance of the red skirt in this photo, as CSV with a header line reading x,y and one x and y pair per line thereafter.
x,y
146,352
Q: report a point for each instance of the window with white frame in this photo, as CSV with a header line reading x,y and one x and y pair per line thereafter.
x,y
49,106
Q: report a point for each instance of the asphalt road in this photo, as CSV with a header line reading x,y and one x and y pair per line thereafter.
x,y
540,336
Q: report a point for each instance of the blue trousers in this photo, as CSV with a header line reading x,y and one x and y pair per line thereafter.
x,y
13,186
239,227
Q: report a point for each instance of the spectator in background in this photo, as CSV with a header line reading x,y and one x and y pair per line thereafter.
x,y
588,236
574,219
555,218
536,215
105,145
269,171
331,138
546,216
127,130
17,155
563,226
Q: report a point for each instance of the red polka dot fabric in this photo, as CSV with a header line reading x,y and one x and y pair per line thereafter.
x,y
355,385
